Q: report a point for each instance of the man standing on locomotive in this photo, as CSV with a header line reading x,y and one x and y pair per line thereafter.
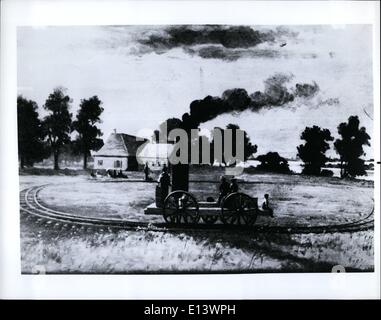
x,y
146,171
223,188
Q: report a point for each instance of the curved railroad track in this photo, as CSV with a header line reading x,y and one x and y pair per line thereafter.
x,y
30,204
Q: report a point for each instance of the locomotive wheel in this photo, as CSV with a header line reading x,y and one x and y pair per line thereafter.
x,y
209,219
239,209
180,207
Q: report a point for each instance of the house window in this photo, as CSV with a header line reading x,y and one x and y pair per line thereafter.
x,y
117,164
100,162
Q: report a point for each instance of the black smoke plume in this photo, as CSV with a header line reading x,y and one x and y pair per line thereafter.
x,y
238,100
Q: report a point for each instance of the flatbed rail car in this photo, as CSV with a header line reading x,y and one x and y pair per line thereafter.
x,y
181,207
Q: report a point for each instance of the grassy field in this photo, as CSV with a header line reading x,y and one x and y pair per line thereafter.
x,y
297,200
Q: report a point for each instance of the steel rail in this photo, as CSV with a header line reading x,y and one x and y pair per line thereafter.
x,y
30,204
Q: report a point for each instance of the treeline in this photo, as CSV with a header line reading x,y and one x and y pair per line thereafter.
x,y
349,147
39,139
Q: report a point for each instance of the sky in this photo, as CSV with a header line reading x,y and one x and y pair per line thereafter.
x,y
147,74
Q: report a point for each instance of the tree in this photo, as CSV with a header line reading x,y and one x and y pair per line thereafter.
x,y
58,123
313,151
350,147
30,133
273,162
85,124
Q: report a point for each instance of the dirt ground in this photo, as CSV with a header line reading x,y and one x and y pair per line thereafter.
x,y
296,200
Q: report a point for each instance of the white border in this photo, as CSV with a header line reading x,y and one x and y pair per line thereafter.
x,y
256,286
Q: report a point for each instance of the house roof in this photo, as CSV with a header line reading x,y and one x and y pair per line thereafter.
x,y
120,145
156,151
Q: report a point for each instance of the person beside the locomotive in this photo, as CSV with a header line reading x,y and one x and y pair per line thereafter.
x,y
266,205
146,171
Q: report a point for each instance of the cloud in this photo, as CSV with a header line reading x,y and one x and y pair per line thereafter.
x,y
219,52
221,42
215,41
229,37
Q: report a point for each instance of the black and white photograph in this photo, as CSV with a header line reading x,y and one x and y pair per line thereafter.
x,y
195,148
220,149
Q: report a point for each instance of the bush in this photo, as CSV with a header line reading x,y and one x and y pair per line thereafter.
x,y
273,162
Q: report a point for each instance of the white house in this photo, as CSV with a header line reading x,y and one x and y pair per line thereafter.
x,y
118,152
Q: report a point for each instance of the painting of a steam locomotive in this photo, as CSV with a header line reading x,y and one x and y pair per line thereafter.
x,y
196,148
